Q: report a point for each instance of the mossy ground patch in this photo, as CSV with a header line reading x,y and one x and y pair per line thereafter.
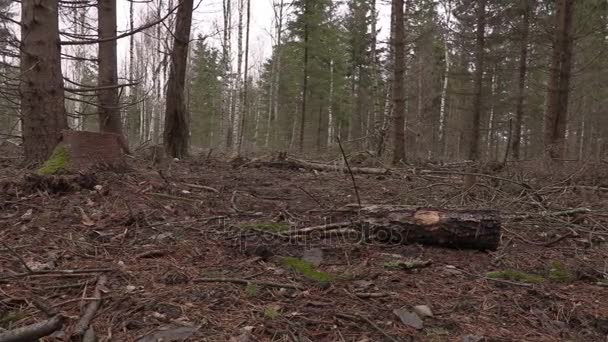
x,y
307,269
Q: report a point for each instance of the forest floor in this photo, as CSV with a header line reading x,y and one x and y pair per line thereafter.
x,y
198,251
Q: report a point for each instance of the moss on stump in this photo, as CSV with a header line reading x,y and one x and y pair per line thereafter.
x,y
58,162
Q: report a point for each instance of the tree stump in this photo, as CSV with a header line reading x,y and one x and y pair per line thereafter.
x,y
454,228
81,151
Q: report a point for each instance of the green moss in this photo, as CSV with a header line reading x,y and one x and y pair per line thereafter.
x,y
252,290
559,273
515,275
271,312
57,163
307,269
11,317
272,227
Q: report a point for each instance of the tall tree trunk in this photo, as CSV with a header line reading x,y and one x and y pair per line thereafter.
x,y
559,82
274,98
523,70
226,81
245,106
177,134
473,143
41,87
398,43
446,79
490,136
330,113
374,124
305,78
238,91
107,62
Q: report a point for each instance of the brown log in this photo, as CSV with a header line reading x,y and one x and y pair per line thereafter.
x,y
453,228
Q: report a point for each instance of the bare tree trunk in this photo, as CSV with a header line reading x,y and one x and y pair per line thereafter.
x,y
107,62
473,143
305,79
523,70
42,100
245,105
274,98
226,81
446,79
177,134
559,82
491,120
398,43
330,114
238,90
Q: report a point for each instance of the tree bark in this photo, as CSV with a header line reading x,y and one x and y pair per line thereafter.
x,y
473,143
109,113
177,133
398,43
523,70
42,100
559,82
453,228
245,105
305,79
446,79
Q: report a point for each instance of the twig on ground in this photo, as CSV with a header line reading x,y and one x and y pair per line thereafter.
x,y
202,187
17,256
247,282
34,331
350,171
45,307
312,197
172,197
549,214
62,272
356,317
152,254
233,204
495,280
89,313
323,227
554,241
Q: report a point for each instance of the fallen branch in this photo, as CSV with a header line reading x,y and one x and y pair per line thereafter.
x,y
350,172
549,214
298,163
202,187
34,331
357,317
247,282
59,273
172,197
324,227
89,313
27,267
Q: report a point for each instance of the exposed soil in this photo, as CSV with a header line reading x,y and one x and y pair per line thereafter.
x,y
156,234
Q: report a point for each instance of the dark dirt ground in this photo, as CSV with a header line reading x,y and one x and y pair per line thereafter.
x,y
154,235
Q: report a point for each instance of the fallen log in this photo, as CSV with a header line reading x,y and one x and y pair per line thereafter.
x,y
453,228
